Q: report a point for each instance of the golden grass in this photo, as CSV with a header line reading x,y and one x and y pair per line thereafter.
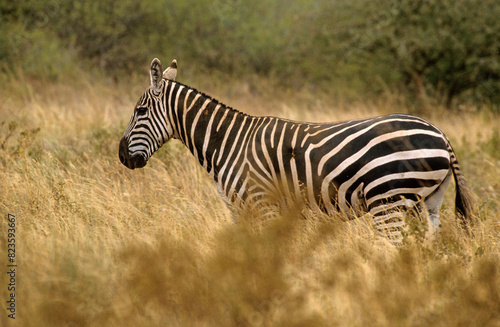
x,y
100,245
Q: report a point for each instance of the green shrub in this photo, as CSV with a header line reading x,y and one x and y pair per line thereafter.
x,y
444,52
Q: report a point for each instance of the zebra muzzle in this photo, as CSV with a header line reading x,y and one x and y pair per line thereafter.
x,y
130,161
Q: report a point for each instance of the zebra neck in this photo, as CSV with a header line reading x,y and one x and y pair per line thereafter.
x,y
209,129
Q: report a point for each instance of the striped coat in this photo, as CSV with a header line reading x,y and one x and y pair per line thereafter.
x,y
377,165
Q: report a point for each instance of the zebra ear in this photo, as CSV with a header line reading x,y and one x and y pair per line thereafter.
x,y
171,72
155,73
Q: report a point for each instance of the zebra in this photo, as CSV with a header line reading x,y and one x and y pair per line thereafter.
x,y
382,166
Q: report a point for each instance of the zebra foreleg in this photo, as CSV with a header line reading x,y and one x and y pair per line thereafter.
x,y
390,225
389,217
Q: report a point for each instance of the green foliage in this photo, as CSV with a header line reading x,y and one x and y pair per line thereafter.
x,y
108,33
27,40
443,48
443,51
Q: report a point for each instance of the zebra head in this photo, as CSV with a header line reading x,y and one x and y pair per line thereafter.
x,y
149,128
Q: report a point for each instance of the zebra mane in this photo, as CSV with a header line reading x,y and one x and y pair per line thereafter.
x,y
211,98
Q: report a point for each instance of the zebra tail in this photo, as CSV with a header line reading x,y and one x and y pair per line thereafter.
x,y
464,200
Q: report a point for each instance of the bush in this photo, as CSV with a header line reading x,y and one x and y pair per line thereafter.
x,y
27,42
444,51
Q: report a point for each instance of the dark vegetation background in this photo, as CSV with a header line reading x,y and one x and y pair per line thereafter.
x,y
433,52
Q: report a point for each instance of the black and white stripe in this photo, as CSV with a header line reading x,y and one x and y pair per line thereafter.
x,y
377,165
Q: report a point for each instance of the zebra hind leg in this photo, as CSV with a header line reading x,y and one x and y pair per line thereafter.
x,y
432,204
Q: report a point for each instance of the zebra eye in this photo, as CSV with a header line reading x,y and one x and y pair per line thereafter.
x,y
141,110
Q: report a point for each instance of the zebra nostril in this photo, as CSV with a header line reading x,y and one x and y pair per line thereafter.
x,y
122,151
122,158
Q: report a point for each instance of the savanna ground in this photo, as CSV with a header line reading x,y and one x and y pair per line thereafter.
x,y
100,245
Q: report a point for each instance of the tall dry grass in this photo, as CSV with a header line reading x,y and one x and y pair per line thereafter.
x,y
100,245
